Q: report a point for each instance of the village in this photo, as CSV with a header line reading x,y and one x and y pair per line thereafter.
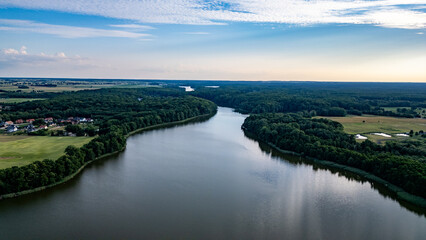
x,y
57,127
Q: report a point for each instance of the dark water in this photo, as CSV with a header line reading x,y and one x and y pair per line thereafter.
x,y
207,181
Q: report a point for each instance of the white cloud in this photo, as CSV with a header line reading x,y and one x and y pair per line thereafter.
x,y
10,51
14,56
64,31
133,27
407,14
197,33
14,62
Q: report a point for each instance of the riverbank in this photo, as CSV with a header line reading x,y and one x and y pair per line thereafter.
x,y
399,193
64,180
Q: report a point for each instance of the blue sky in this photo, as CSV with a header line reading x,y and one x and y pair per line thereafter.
x,y
328,40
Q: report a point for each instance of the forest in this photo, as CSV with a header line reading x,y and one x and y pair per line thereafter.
x,y
322,99
281,114
324,139
118,112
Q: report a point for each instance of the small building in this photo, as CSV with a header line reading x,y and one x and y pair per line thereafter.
x,y
7,123
30,120
19,121
48,120
31,128
11,128
42,127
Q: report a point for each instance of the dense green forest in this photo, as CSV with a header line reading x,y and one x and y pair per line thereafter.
x,y
281,115
323,99
324,139
117,112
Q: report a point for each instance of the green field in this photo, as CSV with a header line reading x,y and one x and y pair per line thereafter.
x,y
22,150
372,124
379,124
18,100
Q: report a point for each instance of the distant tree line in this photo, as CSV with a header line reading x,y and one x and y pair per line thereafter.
x,y
313,99
118,112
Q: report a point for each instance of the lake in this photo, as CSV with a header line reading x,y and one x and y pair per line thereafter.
x,y
207,180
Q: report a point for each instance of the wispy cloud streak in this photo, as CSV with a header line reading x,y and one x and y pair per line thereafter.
x,y
408,14
65,31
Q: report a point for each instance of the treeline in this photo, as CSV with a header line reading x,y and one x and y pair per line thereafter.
x,y
322,99
324,139
119,112
100,104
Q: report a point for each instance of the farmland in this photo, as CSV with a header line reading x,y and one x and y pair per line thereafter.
x,y
371,124
22,150
368,124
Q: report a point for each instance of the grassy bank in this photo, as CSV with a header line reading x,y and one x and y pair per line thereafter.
x,y
12,195
22,150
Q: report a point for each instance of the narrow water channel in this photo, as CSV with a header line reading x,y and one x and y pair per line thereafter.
x,y
207,181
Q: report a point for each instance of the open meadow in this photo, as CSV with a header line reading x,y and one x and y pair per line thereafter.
x,y
368,124
22,150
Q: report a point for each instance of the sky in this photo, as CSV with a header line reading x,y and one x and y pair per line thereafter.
x,y
287,40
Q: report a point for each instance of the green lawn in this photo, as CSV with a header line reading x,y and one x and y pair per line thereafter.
x,y
18,100
379,124
22,150
372,124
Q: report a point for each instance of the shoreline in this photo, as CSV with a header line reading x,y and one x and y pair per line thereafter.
x,y
67,178
400,194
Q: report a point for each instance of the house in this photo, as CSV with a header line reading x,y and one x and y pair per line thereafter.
x,y
48,120
30,120
42,127
30,128
11,128
7,123
19,121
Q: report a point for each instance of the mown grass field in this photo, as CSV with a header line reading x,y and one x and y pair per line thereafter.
x,y
22,150
18,100
371,124
379,124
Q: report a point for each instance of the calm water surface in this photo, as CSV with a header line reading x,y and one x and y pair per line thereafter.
x,y
207,181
